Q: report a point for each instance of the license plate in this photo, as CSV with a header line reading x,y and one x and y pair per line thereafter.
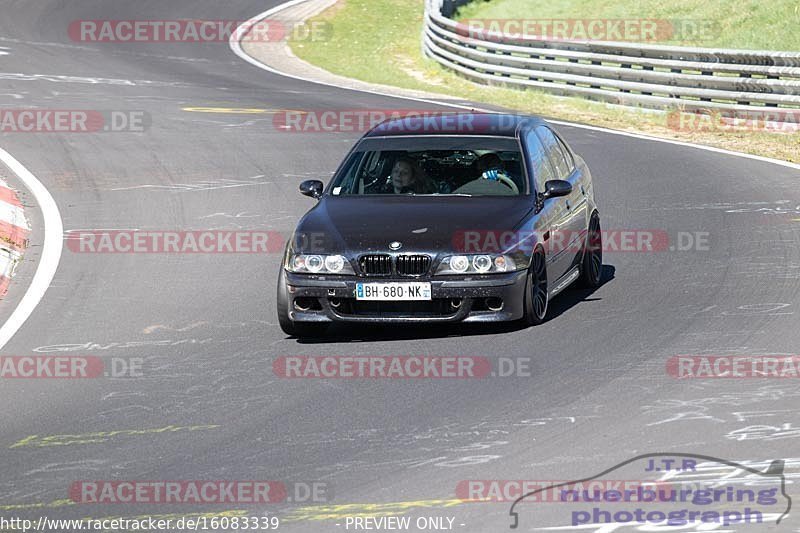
x,y
393,292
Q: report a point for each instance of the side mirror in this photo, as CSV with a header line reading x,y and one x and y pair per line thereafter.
x,y
556,188
312,188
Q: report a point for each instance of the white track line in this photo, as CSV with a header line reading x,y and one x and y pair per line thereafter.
x,y
51,251
236,47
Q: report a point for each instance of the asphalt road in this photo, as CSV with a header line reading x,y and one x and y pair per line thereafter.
x,y
206,326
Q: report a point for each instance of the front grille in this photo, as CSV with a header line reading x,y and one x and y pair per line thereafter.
x,y
413,265
375,264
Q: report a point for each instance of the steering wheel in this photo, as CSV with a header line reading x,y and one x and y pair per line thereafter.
x,y
502,178
505,180
372,182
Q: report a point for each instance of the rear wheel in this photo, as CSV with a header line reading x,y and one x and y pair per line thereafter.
x,y
289,326
536,297
592,264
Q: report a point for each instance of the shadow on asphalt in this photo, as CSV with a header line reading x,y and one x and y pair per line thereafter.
x,y
349,333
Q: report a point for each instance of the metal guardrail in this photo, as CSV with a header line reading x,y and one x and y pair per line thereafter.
x,y
741,82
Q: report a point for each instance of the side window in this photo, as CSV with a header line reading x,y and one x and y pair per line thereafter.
x,y
567,154
555,152
538,162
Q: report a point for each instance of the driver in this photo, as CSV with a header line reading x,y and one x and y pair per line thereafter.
x,y
491,168
493,178
407,177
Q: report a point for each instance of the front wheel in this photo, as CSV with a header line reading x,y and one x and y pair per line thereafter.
x,y
592,264
536,296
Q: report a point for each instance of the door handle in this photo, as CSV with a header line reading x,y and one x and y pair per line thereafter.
x,y
568,206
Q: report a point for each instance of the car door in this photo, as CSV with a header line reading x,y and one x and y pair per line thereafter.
x,y
574,220
553,217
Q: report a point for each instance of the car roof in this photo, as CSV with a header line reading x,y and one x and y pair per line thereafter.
x,y
448,123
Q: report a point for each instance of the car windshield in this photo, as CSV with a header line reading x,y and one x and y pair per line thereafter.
x,y
432,165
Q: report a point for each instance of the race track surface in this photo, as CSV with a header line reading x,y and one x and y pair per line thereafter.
x,y
206,327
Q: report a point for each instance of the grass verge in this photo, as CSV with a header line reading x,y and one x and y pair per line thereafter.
x,y
378,41
747,24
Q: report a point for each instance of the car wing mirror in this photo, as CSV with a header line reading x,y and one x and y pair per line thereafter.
x,y
312,188
556,188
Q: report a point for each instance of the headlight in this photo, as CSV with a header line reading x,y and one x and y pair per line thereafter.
x,y
458,263
482,263
334,263
318,264
314,263
477,264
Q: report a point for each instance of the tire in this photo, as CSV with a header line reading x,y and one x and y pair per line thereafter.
x,y
536,297
289,326
592,262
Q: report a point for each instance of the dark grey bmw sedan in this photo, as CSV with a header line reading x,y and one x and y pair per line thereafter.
x,y
453,218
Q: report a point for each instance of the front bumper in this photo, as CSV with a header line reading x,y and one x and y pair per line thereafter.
x,y
333,299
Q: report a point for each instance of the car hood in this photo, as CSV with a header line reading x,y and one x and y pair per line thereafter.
x,y
423,223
